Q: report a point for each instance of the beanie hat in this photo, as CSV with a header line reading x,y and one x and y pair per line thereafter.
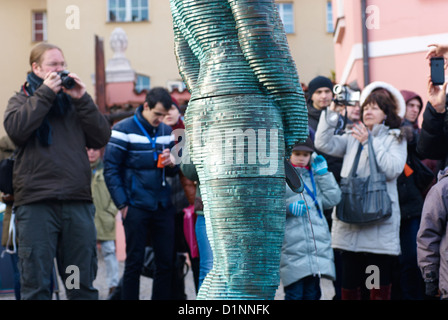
x,y
319,82
308,145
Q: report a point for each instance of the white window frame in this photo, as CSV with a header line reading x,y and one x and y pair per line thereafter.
x,y
34,32
329,16
283,12
128,10
140,86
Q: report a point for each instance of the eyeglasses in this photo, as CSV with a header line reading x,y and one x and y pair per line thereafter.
x,y
56,64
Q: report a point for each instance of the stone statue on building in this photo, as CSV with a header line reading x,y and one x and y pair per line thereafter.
x,y
119,68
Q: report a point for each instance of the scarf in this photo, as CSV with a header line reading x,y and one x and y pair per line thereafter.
x,y
306,167
60,106
178,125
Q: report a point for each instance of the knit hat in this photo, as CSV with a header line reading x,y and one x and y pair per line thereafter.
x,y
308,145
319,82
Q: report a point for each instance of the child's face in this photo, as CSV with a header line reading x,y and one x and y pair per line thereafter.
x,y
300,158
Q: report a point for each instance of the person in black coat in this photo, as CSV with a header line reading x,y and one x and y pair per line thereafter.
x,y
409,282
433,142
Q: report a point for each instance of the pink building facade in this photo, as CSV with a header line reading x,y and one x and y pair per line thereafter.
x,y
398,33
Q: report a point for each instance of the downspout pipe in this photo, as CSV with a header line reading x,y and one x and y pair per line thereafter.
x,y
365,43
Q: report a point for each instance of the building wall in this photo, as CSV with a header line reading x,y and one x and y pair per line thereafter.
x,y
150,44
399,35
311,45
15,23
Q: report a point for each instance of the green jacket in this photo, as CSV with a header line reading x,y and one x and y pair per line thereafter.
x,y
105,208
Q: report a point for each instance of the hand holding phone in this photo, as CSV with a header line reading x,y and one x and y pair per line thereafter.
x,y
438,50
437,96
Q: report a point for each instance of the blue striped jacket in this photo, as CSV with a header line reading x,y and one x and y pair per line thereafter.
x,y
130,165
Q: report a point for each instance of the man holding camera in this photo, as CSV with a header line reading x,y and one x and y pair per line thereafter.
x,y
52,123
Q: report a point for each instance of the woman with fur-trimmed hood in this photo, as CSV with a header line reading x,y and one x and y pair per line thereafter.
x,y
382,109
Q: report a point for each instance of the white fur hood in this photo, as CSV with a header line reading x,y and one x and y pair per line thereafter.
x,y
394,91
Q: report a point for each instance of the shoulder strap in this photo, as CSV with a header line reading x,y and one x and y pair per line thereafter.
x,y
372,158
151,140
313,193
356,162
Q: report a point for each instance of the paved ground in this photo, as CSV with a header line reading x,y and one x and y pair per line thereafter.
x,y
146,286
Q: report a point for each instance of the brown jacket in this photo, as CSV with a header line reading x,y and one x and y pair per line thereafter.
x,y
60,171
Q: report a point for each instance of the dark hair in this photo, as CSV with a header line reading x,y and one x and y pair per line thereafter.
x,y
161,95
387,103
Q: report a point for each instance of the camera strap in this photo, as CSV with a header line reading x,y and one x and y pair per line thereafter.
x,y
25,90
153,143
151,140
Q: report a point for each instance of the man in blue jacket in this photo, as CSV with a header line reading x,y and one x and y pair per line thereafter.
x,y
138,188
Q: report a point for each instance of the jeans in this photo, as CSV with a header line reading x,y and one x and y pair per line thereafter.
x,y
159,226
307,288
205,251
64,229
111,262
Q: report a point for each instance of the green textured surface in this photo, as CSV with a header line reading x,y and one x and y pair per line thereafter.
x,y
246,111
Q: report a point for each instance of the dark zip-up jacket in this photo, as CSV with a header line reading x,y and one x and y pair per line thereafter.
x,y
433,142
60,171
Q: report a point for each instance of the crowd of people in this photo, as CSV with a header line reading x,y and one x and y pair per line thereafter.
x,y
408,248
73,174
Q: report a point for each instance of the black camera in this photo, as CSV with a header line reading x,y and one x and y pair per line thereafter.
x,y
67,82
346,96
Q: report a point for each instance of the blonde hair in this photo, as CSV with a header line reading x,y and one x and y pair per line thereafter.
x,y
38,51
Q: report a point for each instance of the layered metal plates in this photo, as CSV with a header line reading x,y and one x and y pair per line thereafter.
x,y
246,110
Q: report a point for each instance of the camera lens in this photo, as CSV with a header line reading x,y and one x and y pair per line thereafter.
x,y
66,81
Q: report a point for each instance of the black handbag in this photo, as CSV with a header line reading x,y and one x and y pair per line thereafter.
x,y
6,168
364,199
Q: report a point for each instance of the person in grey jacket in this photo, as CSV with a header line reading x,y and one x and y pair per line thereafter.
x,y
301,266
432,245
382,105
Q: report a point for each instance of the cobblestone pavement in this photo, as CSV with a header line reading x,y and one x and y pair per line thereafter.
x,y
146,286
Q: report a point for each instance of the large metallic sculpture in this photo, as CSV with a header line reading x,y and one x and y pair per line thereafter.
x,y
247,110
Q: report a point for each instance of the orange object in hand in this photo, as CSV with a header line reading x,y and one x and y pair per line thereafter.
x,y
159,161
408,170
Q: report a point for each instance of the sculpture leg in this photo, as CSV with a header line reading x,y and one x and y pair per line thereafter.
x,y
237,147
245,222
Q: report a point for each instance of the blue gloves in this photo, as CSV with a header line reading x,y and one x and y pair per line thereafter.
x,y
298,208
320,165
